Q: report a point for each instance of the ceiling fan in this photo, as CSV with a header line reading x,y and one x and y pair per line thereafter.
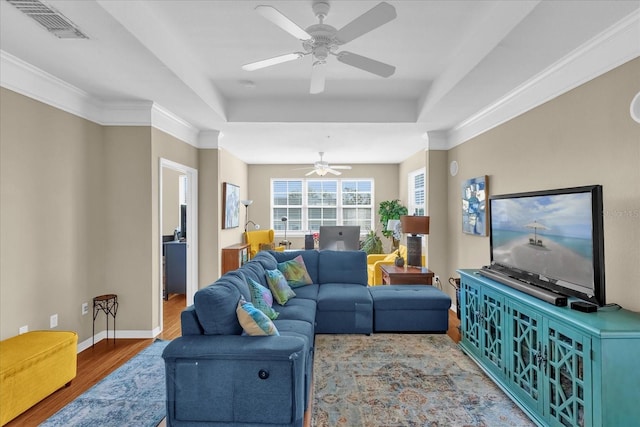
x,y
321,40
321,168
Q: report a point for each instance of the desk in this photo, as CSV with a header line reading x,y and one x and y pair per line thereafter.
x,y
392,275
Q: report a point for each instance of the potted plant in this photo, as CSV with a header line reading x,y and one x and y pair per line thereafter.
x,y
391,209
372,243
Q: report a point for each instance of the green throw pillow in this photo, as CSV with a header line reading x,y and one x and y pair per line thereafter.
x,y
261,298
253,321
295,272
281,290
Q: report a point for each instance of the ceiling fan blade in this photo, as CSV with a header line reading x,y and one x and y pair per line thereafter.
x,y
367,64
311,173
335,172
272,61
318,76
340,167
379,15
275,16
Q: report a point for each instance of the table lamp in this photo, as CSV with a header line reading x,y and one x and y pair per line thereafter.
x,y
416,226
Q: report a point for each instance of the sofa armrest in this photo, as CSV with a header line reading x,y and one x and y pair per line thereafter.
x,y
235,379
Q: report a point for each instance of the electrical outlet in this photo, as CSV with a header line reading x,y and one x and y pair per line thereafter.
x,y
23,329
436,279
53,321
85,308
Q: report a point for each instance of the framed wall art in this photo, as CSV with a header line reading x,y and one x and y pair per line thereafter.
x,y
231,208
474,206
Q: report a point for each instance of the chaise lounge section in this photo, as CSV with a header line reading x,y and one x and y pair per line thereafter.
x,y
219,375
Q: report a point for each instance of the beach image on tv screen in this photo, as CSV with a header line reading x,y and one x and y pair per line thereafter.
x,y
549,235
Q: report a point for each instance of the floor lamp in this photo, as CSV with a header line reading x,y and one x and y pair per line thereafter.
x,y
416,226
246,204
285,242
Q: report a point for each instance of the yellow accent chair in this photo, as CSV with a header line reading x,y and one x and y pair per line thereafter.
x,y
260,240
374,261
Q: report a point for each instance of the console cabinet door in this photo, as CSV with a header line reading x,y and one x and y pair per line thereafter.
x,y
470,320
492,332
526,354
569,398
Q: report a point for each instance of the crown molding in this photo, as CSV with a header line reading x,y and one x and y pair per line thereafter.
x,y
610,49
30,81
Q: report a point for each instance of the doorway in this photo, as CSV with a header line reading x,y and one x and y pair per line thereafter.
x,y
187,212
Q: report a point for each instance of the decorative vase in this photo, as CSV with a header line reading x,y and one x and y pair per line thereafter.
x,y
399,261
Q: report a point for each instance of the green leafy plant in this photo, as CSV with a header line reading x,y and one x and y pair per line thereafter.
x,y
372,243
390,209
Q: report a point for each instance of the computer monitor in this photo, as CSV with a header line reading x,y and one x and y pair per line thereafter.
x,y
340,237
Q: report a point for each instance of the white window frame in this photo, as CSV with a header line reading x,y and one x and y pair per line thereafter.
x,y
305,206
413,204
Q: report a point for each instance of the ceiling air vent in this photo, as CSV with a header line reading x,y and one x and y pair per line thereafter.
x,y
52,20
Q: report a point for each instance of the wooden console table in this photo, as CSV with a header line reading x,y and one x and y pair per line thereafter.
x,y
234,256
392,275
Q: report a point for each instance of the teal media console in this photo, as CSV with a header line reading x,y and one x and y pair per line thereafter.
x,y
561,366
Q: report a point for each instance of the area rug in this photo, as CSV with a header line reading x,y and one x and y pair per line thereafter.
x,y
404,380
132,395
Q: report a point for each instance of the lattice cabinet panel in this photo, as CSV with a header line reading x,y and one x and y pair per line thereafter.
x,y
525,350
492,331
569,382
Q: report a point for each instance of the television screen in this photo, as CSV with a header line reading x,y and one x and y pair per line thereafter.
x,y
339,237
555,235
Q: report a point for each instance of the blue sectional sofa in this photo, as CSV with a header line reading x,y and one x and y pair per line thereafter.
x,y
216,375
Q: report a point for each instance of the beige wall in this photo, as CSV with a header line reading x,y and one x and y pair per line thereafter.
x,y
51,196
259,184
209,194
583,137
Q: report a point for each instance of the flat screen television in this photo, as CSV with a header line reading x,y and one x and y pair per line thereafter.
x,y
551,239
339,237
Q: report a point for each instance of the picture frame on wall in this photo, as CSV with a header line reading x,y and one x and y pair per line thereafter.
x,y
474,206
231,208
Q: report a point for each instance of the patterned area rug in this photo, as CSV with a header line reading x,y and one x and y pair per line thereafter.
x,y
132,395
404,380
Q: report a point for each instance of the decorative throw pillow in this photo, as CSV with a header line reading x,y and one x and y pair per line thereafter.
x,y
253,321
267,246
261,298
281,290
295,272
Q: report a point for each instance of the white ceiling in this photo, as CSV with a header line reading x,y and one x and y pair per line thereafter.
x,y
455,61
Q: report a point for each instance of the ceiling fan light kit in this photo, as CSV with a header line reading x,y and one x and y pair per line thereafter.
x,y
321,40
321,168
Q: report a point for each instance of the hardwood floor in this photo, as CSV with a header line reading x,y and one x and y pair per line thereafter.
x,y
98,362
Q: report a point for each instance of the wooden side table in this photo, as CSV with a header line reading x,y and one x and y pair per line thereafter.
x,y
392,275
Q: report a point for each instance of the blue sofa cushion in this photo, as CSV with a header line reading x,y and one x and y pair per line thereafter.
x,y
216,309
254,270
266,259
237,279
342,297
298,309
409,297
342,267
310,261
307,292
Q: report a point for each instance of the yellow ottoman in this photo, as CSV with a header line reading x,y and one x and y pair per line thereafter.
x,y
32,366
